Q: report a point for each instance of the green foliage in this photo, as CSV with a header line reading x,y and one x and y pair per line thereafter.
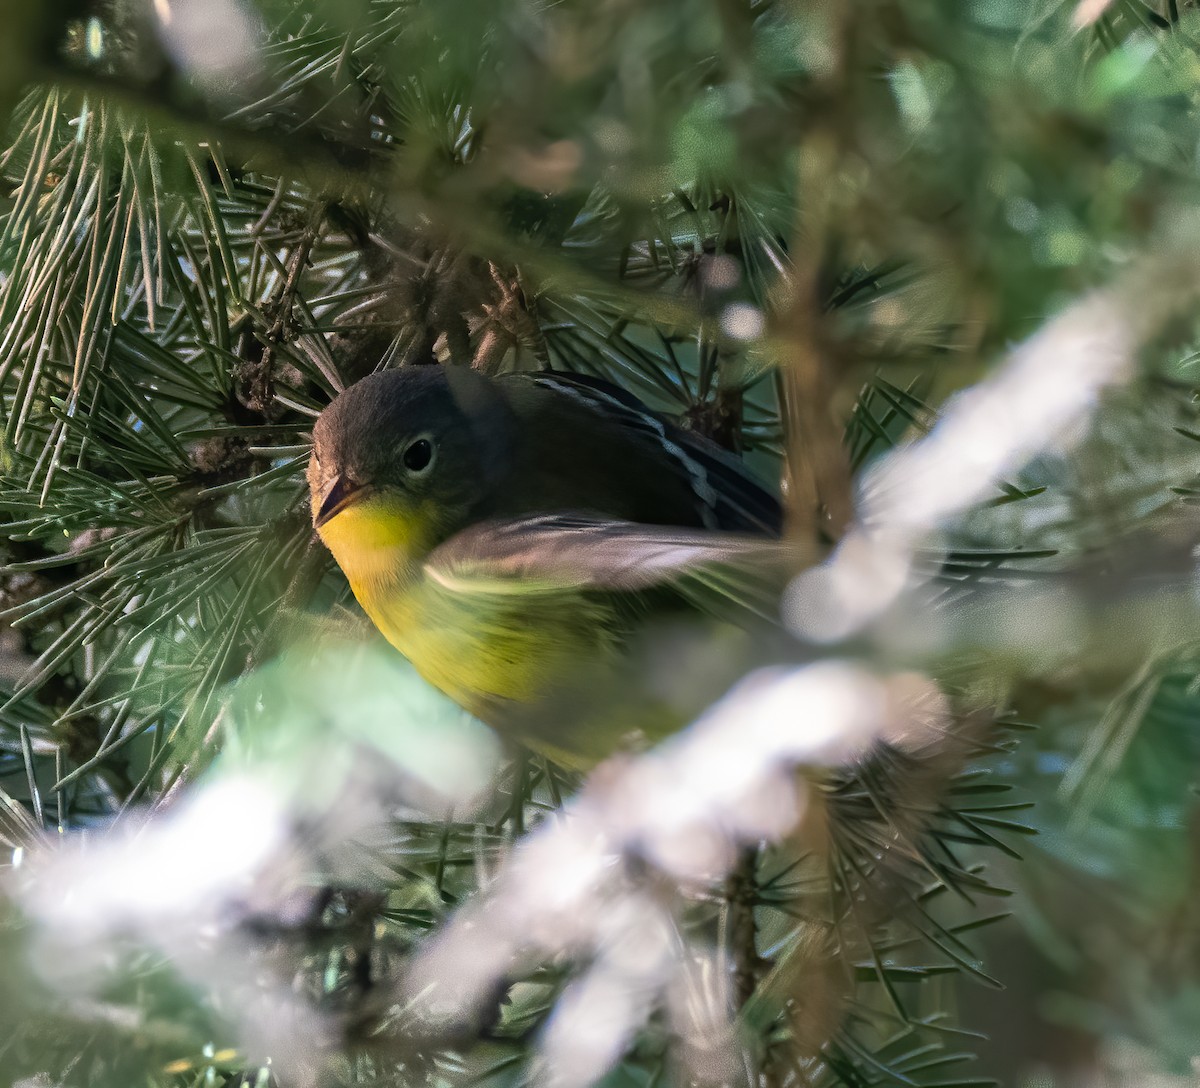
x,y
194,260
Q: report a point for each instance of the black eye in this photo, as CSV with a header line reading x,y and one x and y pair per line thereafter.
x,y
419,455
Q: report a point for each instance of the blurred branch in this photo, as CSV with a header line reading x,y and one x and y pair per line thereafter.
x,y
361,173
1039,400
256,377
689,808
1088,12
819,497
324,161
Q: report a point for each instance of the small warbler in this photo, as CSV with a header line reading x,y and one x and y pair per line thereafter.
x,y
533,542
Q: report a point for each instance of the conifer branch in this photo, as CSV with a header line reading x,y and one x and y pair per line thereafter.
x,y
256,377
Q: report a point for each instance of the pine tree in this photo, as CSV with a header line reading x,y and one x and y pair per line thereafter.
x,y
798,228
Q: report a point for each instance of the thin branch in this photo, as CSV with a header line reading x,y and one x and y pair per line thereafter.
x,y
820,499
285,299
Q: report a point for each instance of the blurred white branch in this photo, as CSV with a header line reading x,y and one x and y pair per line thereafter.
x,y
1088,12
235,849
357,736
1039,400
215,41
687,808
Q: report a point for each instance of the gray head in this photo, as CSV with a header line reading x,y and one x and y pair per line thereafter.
x,y
434,438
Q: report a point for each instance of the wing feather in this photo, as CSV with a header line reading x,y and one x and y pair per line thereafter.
x,y
721,573
728,497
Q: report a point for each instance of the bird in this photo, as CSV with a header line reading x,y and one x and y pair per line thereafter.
x,y
572,568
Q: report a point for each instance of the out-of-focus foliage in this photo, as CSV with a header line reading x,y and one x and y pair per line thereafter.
x,y
215,216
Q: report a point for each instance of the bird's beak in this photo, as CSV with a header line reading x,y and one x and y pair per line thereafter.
x,y
338,495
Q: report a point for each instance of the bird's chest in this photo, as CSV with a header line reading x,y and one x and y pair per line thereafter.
x,y
491,649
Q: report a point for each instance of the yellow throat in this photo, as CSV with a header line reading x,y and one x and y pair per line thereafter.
x,y
475,649
376,541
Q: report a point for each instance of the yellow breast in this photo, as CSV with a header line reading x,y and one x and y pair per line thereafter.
x,y
542,666
374,541
477,648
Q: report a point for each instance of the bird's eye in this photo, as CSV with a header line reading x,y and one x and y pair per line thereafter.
x,y
418,456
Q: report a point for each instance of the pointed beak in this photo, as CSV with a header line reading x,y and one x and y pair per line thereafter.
x,y
338,495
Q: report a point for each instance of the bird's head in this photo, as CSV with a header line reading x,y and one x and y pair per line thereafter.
x,y
404,458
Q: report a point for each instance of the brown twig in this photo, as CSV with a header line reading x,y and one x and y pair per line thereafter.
x,y
256,374
817,467
741,894
818,470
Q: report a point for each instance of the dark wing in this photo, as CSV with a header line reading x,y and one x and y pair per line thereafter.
x,y
726,575
729,497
